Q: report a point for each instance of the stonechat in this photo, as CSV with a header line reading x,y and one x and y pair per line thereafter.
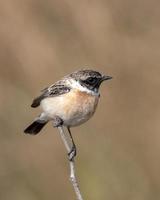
x,y
69,102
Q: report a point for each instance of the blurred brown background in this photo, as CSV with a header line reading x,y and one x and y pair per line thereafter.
x,y
119,148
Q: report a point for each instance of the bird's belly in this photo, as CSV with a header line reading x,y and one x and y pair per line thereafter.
x,y
74,108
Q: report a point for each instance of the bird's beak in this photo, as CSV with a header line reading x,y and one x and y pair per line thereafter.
x,y
104,78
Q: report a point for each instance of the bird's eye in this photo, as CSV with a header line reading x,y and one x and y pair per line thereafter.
x,y
91,80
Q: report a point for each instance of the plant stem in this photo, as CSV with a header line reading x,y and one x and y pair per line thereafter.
x,y
73,178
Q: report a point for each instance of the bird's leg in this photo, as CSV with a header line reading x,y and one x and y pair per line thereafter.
x,y
73,151
58,122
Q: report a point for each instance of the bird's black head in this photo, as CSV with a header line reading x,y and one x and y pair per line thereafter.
x,y
90,79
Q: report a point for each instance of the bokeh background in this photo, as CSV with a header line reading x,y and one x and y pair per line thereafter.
x,y
119,148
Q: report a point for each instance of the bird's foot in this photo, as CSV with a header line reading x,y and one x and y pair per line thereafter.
x,y
57,121
72,153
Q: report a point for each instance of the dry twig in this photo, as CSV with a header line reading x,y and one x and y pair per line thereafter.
x,y
73,178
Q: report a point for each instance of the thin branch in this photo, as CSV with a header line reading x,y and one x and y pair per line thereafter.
x,y
73,178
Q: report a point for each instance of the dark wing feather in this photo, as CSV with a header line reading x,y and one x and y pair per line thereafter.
x,y
52,91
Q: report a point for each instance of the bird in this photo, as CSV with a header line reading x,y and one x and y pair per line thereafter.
x,y
69,102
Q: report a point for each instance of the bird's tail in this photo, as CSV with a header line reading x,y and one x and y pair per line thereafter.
x,y
35,127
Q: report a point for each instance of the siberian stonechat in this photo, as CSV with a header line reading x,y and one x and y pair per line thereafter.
x,y
69,102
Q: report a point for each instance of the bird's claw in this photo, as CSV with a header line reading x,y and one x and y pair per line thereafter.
x,y
57,121
72,153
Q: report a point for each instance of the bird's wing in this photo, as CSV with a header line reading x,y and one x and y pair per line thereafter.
x,y
56,89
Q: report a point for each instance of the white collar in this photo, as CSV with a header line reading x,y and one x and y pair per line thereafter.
x,y
76,85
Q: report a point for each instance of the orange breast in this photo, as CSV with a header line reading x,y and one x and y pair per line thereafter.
x,y
79,106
